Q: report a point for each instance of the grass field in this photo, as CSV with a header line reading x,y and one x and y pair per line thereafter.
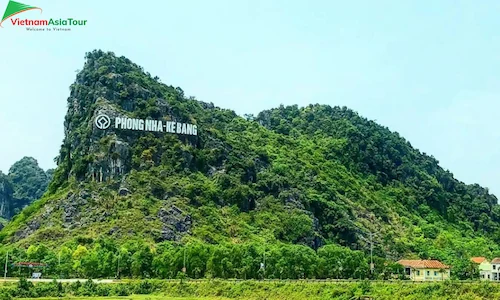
x,y
252,290
132,297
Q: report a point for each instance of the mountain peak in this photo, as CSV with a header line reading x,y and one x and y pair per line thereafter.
x,y
313,175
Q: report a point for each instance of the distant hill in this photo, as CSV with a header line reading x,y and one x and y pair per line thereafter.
x,y
6,198
25,183
310,176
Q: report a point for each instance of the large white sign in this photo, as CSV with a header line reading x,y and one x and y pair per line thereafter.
x,y
104,122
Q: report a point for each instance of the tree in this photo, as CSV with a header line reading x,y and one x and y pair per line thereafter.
x,y
465,269
142,261
78,255
64,269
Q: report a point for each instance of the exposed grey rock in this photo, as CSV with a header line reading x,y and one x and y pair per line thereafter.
x,y
84,194
6,197
75,225
33,225
113,230
291,199
103,216
314,241
214,171
188,158
28,230
1,226
123,191
112,155
163,106
71,208
293,202
175,223
112,163
48,210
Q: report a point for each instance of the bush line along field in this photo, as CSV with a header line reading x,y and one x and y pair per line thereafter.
x,y
283,261
104,259
258,290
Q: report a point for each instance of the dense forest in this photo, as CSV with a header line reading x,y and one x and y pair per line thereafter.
x,y
309,188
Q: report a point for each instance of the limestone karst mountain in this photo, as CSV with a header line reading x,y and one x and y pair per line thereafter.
x,y
312,176
25,183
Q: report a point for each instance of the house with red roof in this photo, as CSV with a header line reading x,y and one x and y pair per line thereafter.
x,y
484,266
425,270
495,269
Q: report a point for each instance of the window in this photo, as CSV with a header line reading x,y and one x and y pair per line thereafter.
x,y
418,273
428,273
494,267
435,273
488,276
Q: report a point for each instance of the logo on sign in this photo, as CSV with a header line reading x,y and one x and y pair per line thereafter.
x,y
102,122
15,8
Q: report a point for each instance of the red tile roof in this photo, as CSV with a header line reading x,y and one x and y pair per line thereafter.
x,y
423,264
478,259
496,260
30,264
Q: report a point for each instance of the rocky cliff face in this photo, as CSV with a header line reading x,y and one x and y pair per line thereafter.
x,y
6,198
107,86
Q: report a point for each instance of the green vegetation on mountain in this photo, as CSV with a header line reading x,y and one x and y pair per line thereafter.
x,y
6,198
25,183
310,187
29,181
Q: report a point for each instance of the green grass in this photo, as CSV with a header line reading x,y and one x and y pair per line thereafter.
x,y
256,290
134,297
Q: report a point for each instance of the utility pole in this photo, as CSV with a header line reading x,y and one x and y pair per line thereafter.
x,y
59,265
371,252
118,266
6,260
264,263
184,268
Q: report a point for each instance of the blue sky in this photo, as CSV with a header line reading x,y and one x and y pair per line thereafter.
x,y
429,70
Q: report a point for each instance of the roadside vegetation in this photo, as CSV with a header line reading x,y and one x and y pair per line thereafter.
x,y
219,289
